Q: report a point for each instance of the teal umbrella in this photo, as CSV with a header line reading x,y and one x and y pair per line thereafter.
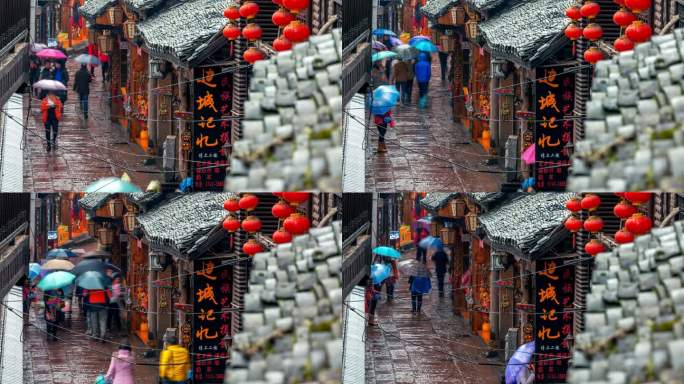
x,y
56,280
387,252
93,280
425,46
383,55
112,185
380,272
61,253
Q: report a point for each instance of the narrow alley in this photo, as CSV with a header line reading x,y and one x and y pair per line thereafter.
x,y
428,151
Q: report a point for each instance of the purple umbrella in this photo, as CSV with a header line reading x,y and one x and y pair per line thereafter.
x,y
518,362
378,46
394,41
50,53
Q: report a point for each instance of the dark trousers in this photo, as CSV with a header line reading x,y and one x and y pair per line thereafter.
x,y
416,301
105,71
51,128
440,282
422,89
113,317
51,329
421,254
443,58
83,100
373,304
382,129
390,290
405,88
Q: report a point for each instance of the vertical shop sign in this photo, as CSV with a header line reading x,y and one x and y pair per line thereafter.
x,y
555,293
212,287
555,103
211,127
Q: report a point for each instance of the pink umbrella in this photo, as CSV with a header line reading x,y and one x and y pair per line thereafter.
x,y
529,155
50,53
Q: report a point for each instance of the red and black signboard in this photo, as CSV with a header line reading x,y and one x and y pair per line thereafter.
x,y
555,93
213,289
211,127
554,296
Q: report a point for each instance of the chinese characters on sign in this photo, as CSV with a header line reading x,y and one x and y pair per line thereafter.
x,y
212,287
553,320
211,127
555,92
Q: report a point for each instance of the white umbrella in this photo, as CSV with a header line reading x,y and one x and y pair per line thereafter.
x,y
50,85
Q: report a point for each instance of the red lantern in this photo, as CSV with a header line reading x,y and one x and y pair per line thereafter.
x,y
623,18
231,205
590,10
623,44
638,32
231,32
639,224
637,198
593,224
231,224
594,247
251,224
251,247
590,202
573,224
282,44
619,2
282,18
573,13
249,10
231,13
281,210
638,5
295,198
252,32
296,224
296,31
592,32
593,55
253,55
573,32
574,204
248,202
624,210
295,6
281,236
623,237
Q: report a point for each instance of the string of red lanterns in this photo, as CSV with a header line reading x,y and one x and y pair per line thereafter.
x,y
293,222
593,224
252,32
632,222
293,31
251,224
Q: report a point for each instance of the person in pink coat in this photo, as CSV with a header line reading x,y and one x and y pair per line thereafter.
x,y
121,367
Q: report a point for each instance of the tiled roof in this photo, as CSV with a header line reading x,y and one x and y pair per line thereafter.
x,y
183,222
292,314
145,199
526,224
91,9
435,201
141,6
527,32
93,201
436,8
291,133
484,5
184,30
633,129
634,318
486,199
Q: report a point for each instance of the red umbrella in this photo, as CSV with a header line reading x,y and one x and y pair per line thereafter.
x,y
50,53
103,58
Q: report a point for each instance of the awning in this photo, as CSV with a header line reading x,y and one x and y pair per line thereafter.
x,y
436,8
435,201
94,8
527,33
484,6
92,201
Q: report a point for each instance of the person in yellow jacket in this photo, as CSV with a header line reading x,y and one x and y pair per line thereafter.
x,y
174,363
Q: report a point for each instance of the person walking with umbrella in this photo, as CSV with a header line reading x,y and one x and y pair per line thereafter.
x,y
53,307
82,87
96,302
441,261
115,304
419,283
421,253
104,60
403,78
51,108
423,71
62,75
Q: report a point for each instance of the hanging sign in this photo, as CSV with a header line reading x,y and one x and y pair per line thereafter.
x,y
553,320
555,93
211,127
394,235
212,289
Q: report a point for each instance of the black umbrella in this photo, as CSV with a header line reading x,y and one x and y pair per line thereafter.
x,y
97,255
90,265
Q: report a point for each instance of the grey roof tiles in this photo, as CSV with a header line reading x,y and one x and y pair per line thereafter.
x,y
435,201
93,201
91,9
436,8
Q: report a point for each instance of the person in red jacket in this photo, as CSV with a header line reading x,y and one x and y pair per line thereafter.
x,y
93,51
51,108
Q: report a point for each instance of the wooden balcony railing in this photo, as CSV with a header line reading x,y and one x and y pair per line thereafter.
x,y
14,72
356,72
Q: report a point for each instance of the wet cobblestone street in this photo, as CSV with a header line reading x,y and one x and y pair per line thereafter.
x,y
433,347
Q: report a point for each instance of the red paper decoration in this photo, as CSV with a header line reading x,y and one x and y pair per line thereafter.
x,y
573,13
249,10
592,32
639,224
296,31
295,198
281,210
251,224
232,12
231,205
282,44
638,31
590,10
593,224
253,55
574,205
623,18
231,224
282,18
573,224
638,5
573,32
251,247
295,6
231,32
637,198
623,44
281,236
594,247
248,202
590,202
623,237
624,210
296,224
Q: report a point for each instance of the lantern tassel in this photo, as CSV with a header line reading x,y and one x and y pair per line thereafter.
x,y
574,48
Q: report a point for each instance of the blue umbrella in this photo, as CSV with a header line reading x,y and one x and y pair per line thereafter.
x,y
93,280
418,38
60,253
383,32
394,41
383,55
425,46
379,272
387,252
186,184
56,280
519,360
431,242
384,98
87,59
33,271
112,185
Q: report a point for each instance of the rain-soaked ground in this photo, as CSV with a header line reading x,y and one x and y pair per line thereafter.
x,y
435,347
428,151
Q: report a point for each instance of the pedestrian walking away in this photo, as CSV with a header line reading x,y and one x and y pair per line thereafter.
x,y
443,62
423,71
62,75
403,78
441,261
174,363
419,285
421,253
392,280
82,87
115,305
121,366
97,303
51,109
382,122
375,291
53,306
